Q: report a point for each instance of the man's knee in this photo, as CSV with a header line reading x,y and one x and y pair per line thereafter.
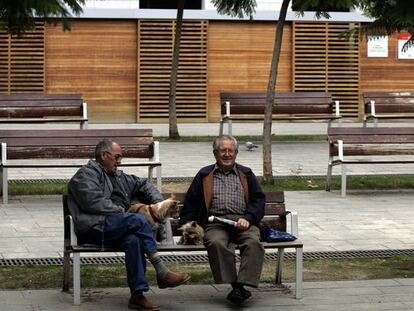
x,y
131,241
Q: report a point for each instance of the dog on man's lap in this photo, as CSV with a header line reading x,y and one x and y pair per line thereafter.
x,y
157,214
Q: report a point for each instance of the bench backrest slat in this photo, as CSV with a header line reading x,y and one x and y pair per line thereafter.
x,y
284,103
41,111
372,140
40,105
25,144
389,102
37,96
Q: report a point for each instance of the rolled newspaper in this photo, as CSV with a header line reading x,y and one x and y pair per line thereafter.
x,y
223,221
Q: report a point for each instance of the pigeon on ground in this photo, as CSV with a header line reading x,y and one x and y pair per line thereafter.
x,y
250,146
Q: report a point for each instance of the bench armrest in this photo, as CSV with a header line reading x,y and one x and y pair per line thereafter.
x,y
340,144
337,110
73,236
341,150
371,114
372,102
294,224
227,115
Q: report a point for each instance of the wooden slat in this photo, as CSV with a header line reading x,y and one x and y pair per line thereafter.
x,y
363,141
390,104
77,133
22,60
98,59
322,61
155,46
362,131
26,144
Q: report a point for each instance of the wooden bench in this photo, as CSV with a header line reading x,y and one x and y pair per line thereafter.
x,y
368,145
294,106
275,215
388,106
59,146
43,108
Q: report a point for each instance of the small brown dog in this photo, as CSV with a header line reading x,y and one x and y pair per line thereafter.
x,y
192,234
157,213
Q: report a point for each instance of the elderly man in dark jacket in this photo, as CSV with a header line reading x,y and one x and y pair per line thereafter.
x,y
98,196
231,191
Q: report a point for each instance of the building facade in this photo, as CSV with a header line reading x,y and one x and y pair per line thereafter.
x,y
118,56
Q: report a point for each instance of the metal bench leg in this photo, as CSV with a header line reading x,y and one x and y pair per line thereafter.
x,y
279,266
343,180
66,270
299,272
329,176
5,185
4,177
159,180
76,279
169,233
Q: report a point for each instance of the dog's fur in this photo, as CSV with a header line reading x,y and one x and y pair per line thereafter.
x,y
161,210
192,234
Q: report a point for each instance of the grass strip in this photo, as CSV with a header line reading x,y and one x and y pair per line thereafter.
x,y
98,276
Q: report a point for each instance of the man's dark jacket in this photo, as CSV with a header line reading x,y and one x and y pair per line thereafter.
x,y
199,196
90,190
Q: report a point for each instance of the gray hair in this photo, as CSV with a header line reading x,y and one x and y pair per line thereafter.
x,y
104,145
225,137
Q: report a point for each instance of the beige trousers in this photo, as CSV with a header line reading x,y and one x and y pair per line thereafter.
x,y
220,241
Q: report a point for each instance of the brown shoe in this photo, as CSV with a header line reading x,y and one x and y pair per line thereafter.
x,y
173,279
139,302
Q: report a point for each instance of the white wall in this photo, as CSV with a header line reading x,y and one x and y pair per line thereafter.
x,y
115,4
262,5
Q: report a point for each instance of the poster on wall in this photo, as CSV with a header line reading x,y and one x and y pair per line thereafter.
x,y
409,53
377,46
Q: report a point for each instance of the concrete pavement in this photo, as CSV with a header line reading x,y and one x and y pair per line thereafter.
x,y
32,227
372,295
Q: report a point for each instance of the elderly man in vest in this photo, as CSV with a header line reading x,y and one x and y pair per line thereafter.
x,y
229,190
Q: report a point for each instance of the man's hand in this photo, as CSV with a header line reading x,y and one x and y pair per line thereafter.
x,y
243,224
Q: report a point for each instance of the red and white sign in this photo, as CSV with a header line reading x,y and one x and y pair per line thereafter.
x,y
407,54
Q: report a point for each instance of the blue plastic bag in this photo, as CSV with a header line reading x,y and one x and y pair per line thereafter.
x,y
268,234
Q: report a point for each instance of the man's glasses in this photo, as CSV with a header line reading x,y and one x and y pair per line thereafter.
x,y
115,156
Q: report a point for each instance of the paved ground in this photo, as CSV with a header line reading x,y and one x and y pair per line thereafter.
x,y
31,227
374,295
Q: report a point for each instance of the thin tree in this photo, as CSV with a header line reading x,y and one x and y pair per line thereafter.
x,y
239,8
17,16
172,107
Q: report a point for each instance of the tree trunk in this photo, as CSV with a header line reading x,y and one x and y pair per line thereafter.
x,y
267,124
172,117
